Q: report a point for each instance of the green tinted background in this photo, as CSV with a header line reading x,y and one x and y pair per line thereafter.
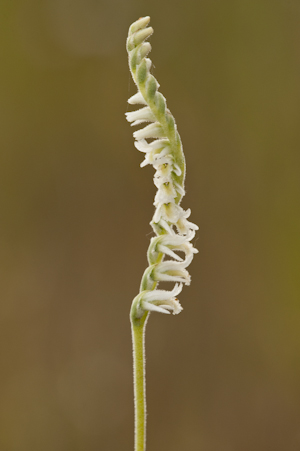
x,y
74,227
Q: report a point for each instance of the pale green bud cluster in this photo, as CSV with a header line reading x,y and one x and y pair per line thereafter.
x,y
162,146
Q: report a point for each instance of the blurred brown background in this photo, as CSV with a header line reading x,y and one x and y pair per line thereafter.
x,y
74,217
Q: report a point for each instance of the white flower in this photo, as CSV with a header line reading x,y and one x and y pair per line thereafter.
x,y
155,151
165,194
140,116
143,146
184,226
161,300
173,271
150,131
168,243
170,212
137,99
163,171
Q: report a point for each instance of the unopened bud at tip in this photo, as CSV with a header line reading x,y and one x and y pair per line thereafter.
x,y
142,22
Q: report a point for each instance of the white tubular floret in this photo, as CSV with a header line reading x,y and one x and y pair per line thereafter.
x,y
137,99
162,301
173,271
183,225
140,116
167,244
150,131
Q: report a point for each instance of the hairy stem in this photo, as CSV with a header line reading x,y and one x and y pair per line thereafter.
x,y
138,340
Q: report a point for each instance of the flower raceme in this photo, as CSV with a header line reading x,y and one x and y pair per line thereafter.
x,y
161,144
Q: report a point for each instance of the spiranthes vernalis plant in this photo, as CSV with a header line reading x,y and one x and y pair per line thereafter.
x,y
161,144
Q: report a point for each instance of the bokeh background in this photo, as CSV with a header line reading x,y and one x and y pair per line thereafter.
x,y
74,215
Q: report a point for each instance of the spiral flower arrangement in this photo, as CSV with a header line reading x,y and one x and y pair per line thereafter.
x,y
161,144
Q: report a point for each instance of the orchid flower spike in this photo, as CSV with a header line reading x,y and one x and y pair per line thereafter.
x,y
160,142
170,252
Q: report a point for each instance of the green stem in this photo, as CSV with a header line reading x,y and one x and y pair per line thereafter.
x,y
138,341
